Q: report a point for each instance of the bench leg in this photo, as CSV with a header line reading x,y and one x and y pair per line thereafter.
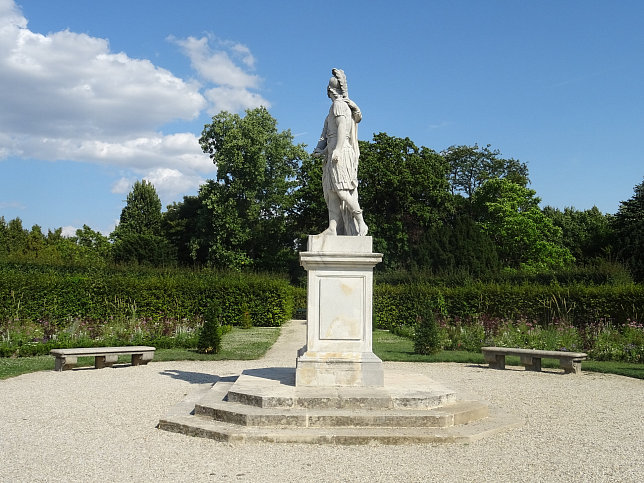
x,y
142,359
105,361
496,361
570,366
64,363
531,363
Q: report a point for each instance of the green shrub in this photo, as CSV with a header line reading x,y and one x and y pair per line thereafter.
x,y
210,334
42,308
427,339
299,303
246,321
61,295
618,344
458,334
578,304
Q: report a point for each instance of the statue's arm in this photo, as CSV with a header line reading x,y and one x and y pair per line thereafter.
x,y
356,114
342,133
321,146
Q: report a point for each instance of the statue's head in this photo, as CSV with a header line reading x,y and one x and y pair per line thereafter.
x,y
333,90
337,88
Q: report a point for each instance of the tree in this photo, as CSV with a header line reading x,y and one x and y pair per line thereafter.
x,y
404,191
179,227
137,237
471,166
629,232
585,233
525,238
310,214
15,239
142,212
36,242
244,219
458,245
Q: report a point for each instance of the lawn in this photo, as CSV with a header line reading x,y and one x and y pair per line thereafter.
x,y
247,344
390,347
239,344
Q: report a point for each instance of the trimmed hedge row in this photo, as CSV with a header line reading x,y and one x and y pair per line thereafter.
x,y
99,295
398,305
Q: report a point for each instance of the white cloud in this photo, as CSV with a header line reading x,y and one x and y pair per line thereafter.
x,y
170,182
67,96
12,204
69,231
233,85
229,99
122,185
69,85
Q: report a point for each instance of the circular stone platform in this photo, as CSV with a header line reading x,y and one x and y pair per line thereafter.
x,y
265,405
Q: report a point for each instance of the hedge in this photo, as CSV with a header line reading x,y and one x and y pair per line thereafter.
x,y
179,294
398,305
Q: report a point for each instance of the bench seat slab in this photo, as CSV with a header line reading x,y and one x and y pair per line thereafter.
x,y
103,356
570,362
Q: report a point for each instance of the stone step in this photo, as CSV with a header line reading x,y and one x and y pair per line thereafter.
x,y
452,414
207,428
275,388
272,409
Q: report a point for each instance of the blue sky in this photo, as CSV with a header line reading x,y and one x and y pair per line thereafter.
x,y
95,95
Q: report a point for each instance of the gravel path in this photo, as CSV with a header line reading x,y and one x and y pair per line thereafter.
x,y
99,425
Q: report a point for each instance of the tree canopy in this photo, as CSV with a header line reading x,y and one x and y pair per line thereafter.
x,y
137,237
628,226
525,238
243,218
465,210
471,166
404,189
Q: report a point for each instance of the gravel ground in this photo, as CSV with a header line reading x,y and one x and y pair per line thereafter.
x,y
97,425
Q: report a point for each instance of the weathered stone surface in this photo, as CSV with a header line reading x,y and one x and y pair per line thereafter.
x,y
103,356
408,409
570,362
338,349
340,244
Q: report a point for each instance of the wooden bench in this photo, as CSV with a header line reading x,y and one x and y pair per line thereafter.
x,y
570,362
103,356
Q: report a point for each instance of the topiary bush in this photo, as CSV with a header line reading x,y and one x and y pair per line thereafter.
x,y
210,335
427,338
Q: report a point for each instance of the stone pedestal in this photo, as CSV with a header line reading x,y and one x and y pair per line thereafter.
x,y
338,349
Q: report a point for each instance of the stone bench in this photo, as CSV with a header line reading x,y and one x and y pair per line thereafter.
x,y
103,356
570,362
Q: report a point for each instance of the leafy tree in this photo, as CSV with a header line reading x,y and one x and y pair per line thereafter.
x,y
458,245
86,237
525,238
404,191
4,239
14,238
179,226
243,219
137,237
586,234
471,166
35,243
629,232
142,212
310,213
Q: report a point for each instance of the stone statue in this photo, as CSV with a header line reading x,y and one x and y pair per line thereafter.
x,y
338,145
